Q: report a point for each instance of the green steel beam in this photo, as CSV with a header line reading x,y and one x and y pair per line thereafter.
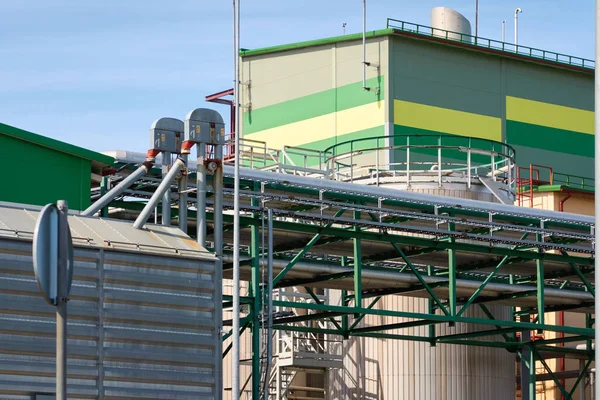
x,y
400,325
422,281
587,332
385,292
488,332
242,329
483,285
317,279
489,314
549,370
318,301
362,316
310,317
579,378
302,252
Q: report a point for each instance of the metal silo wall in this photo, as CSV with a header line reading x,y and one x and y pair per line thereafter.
x,y
391,369
140,326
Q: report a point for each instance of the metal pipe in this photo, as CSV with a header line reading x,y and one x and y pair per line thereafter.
x,y
393,279
364,43
166,199
218,238
218,204
476,19
517,11
596,392
61,302
183,197
201,196
393,194
503,31
164,186
235,354
269,301
117,190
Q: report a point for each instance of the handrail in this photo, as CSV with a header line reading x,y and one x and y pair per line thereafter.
x,y
374,158
574,181
468,142
490,44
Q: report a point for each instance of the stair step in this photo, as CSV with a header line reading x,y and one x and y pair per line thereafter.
x,y
307,389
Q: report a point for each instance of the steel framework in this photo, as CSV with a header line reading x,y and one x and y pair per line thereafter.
x,y
370,242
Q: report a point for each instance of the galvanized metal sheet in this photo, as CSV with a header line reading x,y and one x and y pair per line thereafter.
x,y
142,317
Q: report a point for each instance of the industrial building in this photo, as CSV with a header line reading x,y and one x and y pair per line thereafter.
x,y
415,218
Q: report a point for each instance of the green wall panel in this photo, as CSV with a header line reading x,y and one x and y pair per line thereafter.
x,y
444,77
38,175
552,139
560,162
473,82
423,138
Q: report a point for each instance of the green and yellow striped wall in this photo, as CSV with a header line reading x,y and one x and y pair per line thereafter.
x,y
311,97
320,120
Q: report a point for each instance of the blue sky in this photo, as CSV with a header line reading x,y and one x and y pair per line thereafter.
x,y
96,73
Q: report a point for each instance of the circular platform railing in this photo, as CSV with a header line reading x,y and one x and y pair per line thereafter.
x,y
412,158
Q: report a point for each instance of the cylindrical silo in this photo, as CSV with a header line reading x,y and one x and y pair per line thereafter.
x,y
445,19
391,369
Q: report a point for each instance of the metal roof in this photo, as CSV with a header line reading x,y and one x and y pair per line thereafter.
x,y
57,145
18,221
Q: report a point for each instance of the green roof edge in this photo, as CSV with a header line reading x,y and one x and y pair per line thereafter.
x,y
317,42
55,144
558,188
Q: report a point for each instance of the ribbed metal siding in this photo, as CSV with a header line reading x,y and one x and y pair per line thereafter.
x,y
140,326
385,369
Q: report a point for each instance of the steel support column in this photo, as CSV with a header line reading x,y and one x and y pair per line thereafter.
x,y
256,294
452,274
540,285
357,266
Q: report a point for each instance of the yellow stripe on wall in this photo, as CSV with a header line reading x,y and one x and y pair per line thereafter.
x,y
323,127
444,120
549,115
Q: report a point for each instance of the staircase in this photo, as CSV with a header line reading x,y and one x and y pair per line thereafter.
x,y
301,359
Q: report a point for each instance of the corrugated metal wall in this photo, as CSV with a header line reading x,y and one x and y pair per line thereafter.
x,y
390,369
140,326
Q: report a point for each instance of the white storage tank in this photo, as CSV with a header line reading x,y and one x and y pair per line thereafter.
x,y
446,19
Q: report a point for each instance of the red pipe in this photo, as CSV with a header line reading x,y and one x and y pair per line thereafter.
x,y
561,205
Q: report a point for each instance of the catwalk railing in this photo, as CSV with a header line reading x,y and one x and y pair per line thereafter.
x,y
484,43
